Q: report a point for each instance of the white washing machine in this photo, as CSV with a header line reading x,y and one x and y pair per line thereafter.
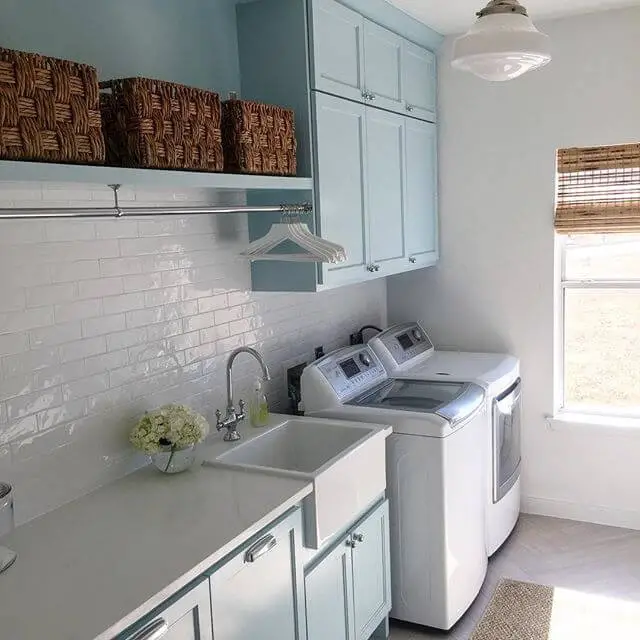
x,y
434,477
406,351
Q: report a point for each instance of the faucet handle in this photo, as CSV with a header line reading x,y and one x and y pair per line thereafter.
x,y
241,405
219,424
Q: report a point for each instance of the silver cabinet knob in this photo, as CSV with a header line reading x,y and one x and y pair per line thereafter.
x,y
372,96
376,267
365,95
412,260
358,537
409,108
351,543
371,268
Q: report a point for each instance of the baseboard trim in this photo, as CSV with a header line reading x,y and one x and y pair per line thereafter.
x,y
624,518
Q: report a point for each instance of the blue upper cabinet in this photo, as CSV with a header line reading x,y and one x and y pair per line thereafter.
x,y
338,49
340,193
385,181
421,210
356,58
361,78
383,67
419,81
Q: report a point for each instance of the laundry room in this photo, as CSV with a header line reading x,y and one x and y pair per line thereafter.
x,y
319,320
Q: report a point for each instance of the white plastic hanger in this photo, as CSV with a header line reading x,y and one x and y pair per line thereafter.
x,y
315,249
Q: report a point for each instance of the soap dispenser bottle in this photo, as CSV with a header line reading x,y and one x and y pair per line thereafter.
x,y
258,406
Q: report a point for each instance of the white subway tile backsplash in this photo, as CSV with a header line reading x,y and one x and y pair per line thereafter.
x,y
101,320
50,294
74,271
78,310
56,334
125,302
83,348
100,288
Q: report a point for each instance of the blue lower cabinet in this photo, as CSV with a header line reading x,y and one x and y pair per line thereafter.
x,y
348,589
371,572
329,596
259,591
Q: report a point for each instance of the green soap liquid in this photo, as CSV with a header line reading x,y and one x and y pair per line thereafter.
x,y
259,415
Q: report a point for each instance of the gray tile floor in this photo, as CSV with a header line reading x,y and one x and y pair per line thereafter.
x,y
560,553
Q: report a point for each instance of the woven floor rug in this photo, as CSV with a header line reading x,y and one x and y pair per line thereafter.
x,y
526,611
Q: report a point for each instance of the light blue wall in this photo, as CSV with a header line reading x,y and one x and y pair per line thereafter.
x,y
189,41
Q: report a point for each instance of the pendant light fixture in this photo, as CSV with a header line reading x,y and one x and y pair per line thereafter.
x,y
502,44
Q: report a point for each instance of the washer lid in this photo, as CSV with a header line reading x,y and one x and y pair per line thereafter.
x,y
453,401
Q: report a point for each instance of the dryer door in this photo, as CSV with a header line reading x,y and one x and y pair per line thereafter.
x,y
507,417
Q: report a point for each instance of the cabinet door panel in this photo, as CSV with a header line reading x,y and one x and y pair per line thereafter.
x,y
261,598
187,618
340,179
421,212
383,66
419,81
385,179
329,597
371,572
338,49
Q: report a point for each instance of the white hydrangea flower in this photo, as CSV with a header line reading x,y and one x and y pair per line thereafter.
x,y
173,425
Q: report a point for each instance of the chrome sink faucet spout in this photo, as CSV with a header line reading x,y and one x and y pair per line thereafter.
x,y
233,416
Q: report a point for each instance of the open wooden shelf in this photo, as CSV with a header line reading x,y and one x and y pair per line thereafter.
x,y
14,171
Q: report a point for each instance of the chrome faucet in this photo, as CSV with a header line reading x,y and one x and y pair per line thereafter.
x,y
233,417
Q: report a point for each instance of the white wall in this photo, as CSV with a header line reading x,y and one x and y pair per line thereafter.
x,y
494,287
102,320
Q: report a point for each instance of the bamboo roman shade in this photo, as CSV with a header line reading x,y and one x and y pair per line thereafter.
x,y
598,190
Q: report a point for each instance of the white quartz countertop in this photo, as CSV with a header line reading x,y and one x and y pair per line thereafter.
x,y
93,567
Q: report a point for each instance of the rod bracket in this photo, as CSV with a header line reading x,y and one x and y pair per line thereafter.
x,y
119,213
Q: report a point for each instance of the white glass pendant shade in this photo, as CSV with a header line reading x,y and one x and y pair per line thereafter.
x,y
502,44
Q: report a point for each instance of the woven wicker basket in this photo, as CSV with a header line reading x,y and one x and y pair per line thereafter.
x,y
49,109
258,138
161,125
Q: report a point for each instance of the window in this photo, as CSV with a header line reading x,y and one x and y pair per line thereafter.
x,y
598,222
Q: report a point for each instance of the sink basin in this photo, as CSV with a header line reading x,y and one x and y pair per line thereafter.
x,y
296,446
344,460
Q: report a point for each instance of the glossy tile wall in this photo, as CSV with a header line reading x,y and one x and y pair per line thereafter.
x,y
102,320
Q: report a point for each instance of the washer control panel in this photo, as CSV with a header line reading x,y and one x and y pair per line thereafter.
x,y
402,343
352,370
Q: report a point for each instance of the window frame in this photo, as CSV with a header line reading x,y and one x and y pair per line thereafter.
x,y
562,285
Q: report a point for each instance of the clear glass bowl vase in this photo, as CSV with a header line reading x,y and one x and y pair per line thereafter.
x,y
172,460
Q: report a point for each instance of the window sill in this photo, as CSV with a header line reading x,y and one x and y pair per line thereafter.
x,y
590,423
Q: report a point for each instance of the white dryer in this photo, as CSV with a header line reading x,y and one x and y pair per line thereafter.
x,y
434,477
406,350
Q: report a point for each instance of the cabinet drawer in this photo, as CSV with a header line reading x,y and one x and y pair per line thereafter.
x,y
258,592
186,617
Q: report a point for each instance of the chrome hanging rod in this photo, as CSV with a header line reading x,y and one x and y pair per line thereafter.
x,y
118,211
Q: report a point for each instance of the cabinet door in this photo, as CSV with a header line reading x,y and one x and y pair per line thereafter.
x,y
386,181
329,596
383,67
188,618
421,211
419,81
340,142
371,572
259,592
338,49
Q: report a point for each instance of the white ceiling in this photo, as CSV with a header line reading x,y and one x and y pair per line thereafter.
x,y
455,16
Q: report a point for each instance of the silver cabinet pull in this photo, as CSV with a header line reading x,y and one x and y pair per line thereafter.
x,y
371,268
372,96
153,631
365,95
260,548
412,260
358,537
409,108
350,543
376,267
